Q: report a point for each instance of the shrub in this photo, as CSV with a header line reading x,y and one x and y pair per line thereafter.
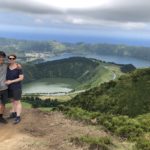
x,y
38,102
121,125
142,144
102,143
80,114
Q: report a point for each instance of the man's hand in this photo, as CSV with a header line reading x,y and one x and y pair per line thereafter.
x,y
8,82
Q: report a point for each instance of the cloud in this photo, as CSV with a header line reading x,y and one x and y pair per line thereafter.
x,y
119,11
125,14
28,6
50,4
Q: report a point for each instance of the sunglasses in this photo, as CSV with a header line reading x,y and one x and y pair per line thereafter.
x,y
11,58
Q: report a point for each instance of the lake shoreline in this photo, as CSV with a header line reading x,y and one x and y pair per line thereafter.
x,y
138,63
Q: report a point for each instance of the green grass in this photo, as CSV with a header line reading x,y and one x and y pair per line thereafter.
x,y
103,73
45,109
60,98
24,104
142,144
102,143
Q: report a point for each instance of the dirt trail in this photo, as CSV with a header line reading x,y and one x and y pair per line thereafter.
x,y
6,135
43,131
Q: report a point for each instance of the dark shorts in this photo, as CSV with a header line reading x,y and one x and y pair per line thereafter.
x,y
3,96
15,94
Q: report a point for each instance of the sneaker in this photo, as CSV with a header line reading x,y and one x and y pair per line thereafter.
x,y
17,120
2,120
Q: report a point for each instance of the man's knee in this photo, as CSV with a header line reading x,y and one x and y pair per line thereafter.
x,y
2,105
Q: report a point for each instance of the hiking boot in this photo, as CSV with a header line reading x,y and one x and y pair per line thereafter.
x,y
17,120
2,120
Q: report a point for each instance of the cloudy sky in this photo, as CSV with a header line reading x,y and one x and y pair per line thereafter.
x,y
122,21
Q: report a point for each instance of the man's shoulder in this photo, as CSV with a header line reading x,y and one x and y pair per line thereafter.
x,y
5,65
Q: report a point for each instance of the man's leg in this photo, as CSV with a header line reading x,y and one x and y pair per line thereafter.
x,y
3,99
2,108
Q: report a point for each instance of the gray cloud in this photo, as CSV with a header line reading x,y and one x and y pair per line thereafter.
x,y
120,11
117,12
28,6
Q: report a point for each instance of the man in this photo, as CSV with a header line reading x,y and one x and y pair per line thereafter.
x,y
3,86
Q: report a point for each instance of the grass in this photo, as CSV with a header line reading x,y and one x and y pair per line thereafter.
x,y
142,144
104,73
61,98
45,109
24,104
102,143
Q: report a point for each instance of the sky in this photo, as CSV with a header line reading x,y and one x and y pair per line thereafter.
x,y
106,21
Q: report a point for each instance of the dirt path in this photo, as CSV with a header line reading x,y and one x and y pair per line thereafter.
x,y
44,131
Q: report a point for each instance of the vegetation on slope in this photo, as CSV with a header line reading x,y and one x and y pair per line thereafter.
x,y
75,68
122,107
129,95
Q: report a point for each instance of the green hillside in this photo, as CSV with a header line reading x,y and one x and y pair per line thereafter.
x,y
129,95
88,72
55,47
122,107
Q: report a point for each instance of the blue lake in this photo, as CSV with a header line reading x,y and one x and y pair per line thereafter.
x,y
108,58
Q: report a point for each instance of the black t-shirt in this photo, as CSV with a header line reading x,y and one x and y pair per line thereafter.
x,y
12,75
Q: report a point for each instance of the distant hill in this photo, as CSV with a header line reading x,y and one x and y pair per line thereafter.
x,y
55,47
88,72
76,68
129,95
